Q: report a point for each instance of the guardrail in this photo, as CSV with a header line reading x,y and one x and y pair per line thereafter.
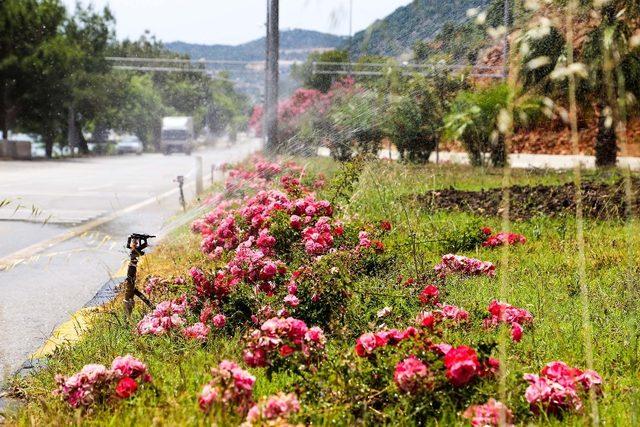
x,y
17,150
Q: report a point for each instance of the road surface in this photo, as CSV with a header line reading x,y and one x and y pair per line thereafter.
x,y
63,231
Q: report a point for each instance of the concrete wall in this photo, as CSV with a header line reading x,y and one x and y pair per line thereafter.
x,y
17,150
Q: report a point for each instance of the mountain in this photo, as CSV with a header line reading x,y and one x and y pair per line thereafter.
x,y
421,20
295,45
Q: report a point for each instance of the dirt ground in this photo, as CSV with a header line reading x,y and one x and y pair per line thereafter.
x,y
551,140
600,200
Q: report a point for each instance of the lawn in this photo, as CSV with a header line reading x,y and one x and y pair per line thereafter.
x,y
372,283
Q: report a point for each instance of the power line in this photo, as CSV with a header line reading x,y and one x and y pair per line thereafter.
x,y
381,69
180,60
184,70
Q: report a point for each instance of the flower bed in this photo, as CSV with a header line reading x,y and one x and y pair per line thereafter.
x,y
292,309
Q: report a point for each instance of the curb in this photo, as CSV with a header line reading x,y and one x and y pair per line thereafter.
x,y
68,332
71,330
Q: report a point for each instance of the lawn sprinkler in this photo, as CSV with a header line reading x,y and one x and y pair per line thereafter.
x,y
180,180
136,243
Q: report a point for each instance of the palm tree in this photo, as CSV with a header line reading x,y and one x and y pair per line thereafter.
x,y
615,68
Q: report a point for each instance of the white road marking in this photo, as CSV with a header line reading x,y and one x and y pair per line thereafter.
x,y
20,256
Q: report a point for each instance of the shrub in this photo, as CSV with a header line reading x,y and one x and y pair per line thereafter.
x,y
358,124
414,121
480,119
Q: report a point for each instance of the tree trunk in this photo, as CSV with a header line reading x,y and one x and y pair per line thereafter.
x,y
157,138
82,142
606,142
4,110
48,147
499,152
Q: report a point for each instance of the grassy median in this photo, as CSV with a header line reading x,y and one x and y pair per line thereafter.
x,y
359,288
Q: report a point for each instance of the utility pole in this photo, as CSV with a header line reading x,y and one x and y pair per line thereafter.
x,y
271,78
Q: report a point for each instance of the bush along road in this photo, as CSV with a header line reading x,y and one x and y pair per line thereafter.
x,y
318,292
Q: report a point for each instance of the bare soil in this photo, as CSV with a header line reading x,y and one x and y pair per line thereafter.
x,y
600,200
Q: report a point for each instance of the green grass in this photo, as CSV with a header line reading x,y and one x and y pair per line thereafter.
x,y
541,275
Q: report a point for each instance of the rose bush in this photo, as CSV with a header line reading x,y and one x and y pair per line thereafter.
x,y
299,286
96,382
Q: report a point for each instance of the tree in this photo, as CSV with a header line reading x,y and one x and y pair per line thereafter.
x,y
358,120
143,110
613,61
322,82
95,92
414,120
25,26
44,105
479,119
226,107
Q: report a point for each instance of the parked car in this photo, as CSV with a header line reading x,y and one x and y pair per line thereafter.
x,y
129,144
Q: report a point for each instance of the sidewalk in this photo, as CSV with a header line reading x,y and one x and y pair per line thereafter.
x,y
528,161
519,161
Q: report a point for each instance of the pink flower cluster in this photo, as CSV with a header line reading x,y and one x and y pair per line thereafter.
x,y
559,387
501,312
273,410
468,266
491,414
430,319
257,178
166,316
218,287
231,386
255,261
367,343
224,236
220,210
502,238
94,381
412,376
267,170
292,109
257,210
198,331
280,337
254,268
463,366
429,295
318,239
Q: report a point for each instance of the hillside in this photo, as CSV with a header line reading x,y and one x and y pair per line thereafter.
x,y
421,20
294,45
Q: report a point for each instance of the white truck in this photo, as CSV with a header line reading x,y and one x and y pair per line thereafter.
x,y
177,135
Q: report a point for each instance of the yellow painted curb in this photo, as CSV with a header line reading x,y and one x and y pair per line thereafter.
x,y
68,332
122,272
71,331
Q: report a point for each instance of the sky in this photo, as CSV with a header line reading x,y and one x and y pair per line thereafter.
x,y
236,21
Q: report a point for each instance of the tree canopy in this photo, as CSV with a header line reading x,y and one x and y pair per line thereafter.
x,y
55,80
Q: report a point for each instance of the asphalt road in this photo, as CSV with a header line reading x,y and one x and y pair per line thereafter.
x,y
63,230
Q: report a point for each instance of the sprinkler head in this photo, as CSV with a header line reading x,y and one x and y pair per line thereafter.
x,y
138,242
